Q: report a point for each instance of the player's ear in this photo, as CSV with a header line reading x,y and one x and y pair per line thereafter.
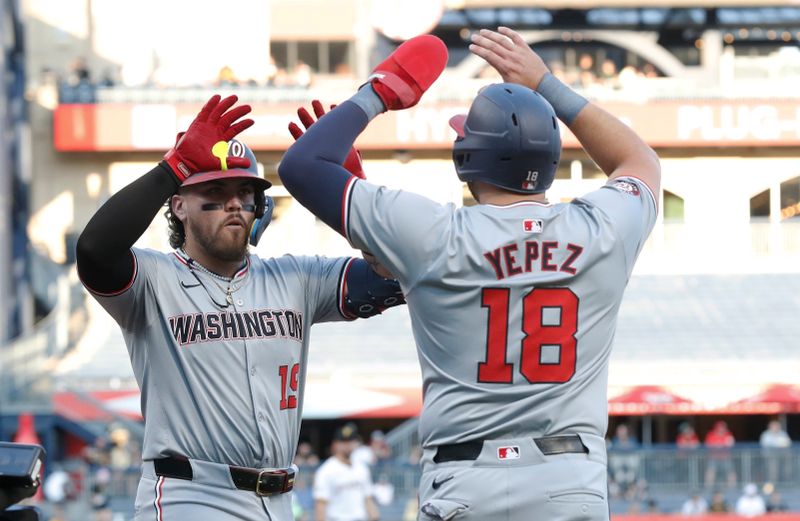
x,y
178,205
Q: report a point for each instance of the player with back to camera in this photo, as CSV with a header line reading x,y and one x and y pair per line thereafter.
x,y
514,301
218,337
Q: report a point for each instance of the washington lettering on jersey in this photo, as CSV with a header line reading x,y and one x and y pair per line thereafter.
x,y
260,323
513,259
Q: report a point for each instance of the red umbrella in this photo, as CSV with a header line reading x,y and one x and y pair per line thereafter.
x,y
777,398
649,399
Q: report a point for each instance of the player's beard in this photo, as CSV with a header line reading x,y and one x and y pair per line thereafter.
x,y
220,245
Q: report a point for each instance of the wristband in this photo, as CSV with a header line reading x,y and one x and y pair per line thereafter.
x,y
177,166
566,102
168,169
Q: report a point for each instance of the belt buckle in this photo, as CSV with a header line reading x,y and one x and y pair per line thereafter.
x,y
286,485
260,492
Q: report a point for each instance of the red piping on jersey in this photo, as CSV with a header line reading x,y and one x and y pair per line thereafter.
x,y
123,290
346,204
342,283
180,258
159,495
242,272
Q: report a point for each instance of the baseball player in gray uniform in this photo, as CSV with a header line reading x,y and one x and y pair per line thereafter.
x,y
218,338
513,301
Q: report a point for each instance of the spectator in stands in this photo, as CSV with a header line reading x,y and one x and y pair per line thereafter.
x,y
302,75
750,503
109,78
343,488
100,503
719,442
45,90
649,71
718,503
609,75
226,77
305,455
774,442
687,437
383,491
78,72
586,75
695,505
414,454
623,460
376,452
58,489
272,71
96,455
775,503
628,77
120,456
302,498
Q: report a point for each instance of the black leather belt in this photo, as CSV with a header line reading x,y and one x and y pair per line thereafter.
x,y
549,446
262,482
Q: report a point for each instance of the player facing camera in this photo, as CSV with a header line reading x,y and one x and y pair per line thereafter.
x,y
20,477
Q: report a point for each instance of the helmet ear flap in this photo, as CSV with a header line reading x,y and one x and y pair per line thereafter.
x,y
264,209
260,198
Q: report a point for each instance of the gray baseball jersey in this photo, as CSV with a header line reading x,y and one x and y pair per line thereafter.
x,y
222,373
513,308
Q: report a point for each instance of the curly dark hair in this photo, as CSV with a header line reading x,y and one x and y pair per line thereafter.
x,y
177,235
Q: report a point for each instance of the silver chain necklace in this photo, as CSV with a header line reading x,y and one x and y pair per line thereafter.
x,y
194,265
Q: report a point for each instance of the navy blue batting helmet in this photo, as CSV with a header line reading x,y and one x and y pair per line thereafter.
x,y
510,138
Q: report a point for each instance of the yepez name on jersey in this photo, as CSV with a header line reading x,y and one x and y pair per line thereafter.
x,y
516,258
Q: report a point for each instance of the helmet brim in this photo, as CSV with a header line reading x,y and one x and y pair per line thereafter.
x,y
221,175
457,123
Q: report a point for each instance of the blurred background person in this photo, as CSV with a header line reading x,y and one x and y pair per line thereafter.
x,y
719,442
623,461
695,505
718,503
750,503
774,442
343,488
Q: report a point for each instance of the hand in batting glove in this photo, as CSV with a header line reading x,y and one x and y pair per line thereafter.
x,y
352,162
196,149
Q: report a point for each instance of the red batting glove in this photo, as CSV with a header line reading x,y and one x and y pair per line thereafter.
x,y
192,152
352,163
401,79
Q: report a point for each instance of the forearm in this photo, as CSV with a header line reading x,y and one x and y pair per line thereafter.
x,y
103,248
312,171
612,144
373,514
319,510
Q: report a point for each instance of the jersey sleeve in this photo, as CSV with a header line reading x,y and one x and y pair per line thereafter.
x,y
405,231
322,484
324,285
130,307
631,207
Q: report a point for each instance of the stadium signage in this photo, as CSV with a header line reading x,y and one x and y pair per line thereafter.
x,y
663,123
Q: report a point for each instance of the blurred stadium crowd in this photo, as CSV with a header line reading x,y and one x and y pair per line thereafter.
x,y
709,320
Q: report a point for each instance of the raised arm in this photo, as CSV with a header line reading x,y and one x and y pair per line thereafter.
x,y
614,146
104,258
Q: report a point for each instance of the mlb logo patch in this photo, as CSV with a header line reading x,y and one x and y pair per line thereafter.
x,y
532,225
627,187
510,452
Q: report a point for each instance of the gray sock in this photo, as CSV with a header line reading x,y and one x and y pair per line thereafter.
x,y
369,101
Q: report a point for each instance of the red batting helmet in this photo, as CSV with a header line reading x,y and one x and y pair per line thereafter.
x,y
235,149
